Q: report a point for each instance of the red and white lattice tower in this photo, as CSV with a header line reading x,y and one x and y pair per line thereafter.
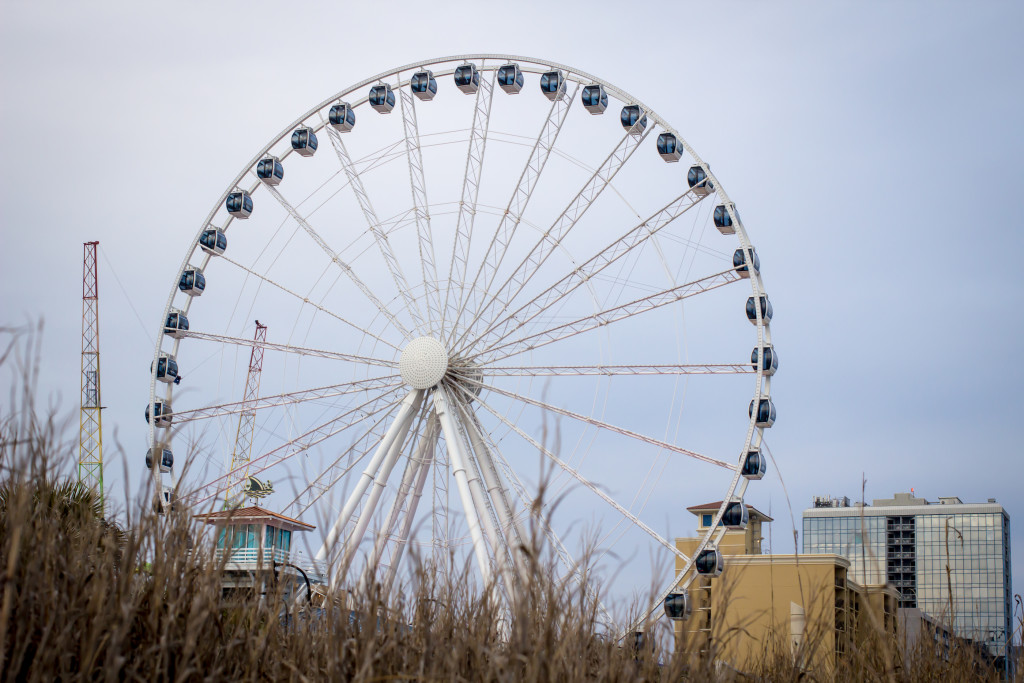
x,y
90,443
246,422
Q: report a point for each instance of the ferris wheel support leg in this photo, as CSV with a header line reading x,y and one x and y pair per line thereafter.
x,y
405,413
410,513
454,444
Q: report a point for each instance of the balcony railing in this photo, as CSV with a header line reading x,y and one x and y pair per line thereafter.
x,y
266,558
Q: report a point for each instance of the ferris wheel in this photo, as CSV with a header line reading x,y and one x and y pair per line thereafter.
x,y
482,276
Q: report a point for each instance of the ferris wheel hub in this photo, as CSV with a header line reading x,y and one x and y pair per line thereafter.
x,y
423,363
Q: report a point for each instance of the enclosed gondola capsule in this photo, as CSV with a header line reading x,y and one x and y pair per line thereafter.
x,y
176,324
633,119
709,563
594,98
723,221
423,85
510,78
769,359
166,458
164,414
552,84
382,98
765,412
669,147
165,501
697,178
304,141
239,204
213,241
341,117
677,606
766,310
166,368
467,78
270,171
739,262
736,516
754,466
192,282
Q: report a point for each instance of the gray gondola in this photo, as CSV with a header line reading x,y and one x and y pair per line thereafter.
x,y
633,119
739,262
697,178
594,98
166,368
165,501
510,78
382,98
766,310
192,282
304,141
754,466
467,78
736,516
166,458
769,359
765,412
214,242
669,147
163,412
709,562
270,171
677,606
176,324
423,85
552,84
723,221
239,204
342,117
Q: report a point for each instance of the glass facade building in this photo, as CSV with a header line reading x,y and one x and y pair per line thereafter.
x,y
909,543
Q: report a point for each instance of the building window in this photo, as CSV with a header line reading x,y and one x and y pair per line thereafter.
x,y
705,520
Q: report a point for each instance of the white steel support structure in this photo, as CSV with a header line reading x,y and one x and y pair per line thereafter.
x,y
238,464
90,414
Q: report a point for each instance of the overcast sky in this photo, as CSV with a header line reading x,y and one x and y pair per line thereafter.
x,y
873,148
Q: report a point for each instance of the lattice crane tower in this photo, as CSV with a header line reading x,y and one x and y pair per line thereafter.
x,y
90,444
246,422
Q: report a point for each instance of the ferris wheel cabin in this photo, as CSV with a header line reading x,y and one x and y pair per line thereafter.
x,y
510,79
552,84
594,98
633,119
697,178
166,458
304,141
467,78
677,606
766,310
669,147
192,282
765,412
423,85
176,324
739,262
709,563
166,368
341,117
163,412
736,516
270,171
214,242
723,221
769,359
239,204
382,98
754,466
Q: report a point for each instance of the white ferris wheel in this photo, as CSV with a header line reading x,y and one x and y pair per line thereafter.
x,y
473,276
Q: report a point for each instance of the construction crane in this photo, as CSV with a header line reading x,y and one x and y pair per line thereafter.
x,y
90,442
239,468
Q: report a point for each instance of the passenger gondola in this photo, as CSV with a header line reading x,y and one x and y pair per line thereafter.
x,y
594,98
304,141
765,412
382,98
698,179
165,501
341,117
769,359
736,516
766,310
213,241
723,221
552,84
754,466
739,262
677,606
239,204
176,324
669,147
467,78
633,119
166,458
510,78
709,563
166,368
423,85
192,282
163,412
270,171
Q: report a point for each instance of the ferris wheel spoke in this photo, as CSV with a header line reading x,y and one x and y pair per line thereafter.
x,y
288,348
517,204
615,370
470,194
610,315
345,267
607,426
306,301
586,482
379,236
420,206
631,240
288,399
297,445
552,238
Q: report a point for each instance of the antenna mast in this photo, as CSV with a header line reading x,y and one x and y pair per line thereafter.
x,y
234,495
90,444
